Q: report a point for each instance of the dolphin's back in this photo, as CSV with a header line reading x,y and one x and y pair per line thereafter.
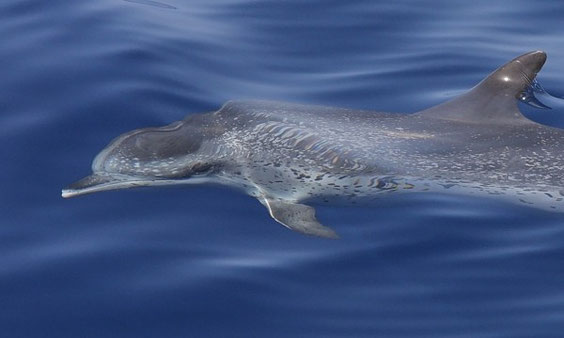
x,y
300,114
331,138
282,131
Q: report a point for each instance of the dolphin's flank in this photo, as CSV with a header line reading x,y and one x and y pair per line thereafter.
x,y
293,156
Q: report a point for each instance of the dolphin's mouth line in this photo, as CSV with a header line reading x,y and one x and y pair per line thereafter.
x,y
102,182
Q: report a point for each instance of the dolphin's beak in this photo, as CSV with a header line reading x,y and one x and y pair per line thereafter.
x,y
101,182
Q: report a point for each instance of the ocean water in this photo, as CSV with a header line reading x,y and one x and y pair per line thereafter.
x,y
208,261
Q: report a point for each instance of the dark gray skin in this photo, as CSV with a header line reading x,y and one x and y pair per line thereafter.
x,y
289,155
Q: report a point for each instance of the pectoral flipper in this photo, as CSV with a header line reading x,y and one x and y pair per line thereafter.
x,y
297,217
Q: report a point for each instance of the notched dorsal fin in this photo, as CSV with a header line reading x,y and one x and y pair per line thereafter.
x,y
494,99
297,217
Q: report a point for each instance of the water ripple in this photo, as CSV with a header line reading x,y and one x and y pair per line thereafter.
x,y
206,261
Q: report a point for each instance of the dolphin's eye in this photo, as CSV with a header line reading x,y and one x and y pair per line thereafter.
x,y
198,168
201,167
386,184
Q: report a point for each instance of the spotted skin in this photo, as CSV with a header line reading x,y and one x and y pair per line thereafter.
x,y
290,156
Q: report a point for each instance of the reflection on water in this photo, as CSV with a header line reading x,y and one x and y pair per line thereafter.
x,y
151,3
547,108
528,96
207,261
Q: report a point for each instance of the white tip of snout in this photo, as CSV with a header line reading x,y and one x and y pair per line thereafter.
x,y
67,193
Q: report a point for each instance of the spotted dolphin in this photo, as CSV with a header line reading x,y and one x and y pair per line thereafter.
x,y
292,156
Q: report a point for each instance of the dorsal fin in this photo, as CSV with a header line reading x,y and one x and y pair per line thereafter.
x,y
493,100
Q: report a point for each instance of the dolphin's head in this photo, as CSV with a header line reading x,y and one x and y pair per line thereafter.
x,y
173,154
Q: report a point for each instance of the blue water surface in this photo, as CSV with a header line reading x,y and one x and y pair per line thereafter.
x,y
208,261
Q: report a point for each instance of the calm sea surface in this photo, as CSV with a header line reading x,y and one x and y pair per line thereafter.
x,y
209,262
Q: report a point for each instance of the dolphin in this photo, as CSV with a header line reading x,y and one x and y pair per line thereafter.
x,y
292,156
